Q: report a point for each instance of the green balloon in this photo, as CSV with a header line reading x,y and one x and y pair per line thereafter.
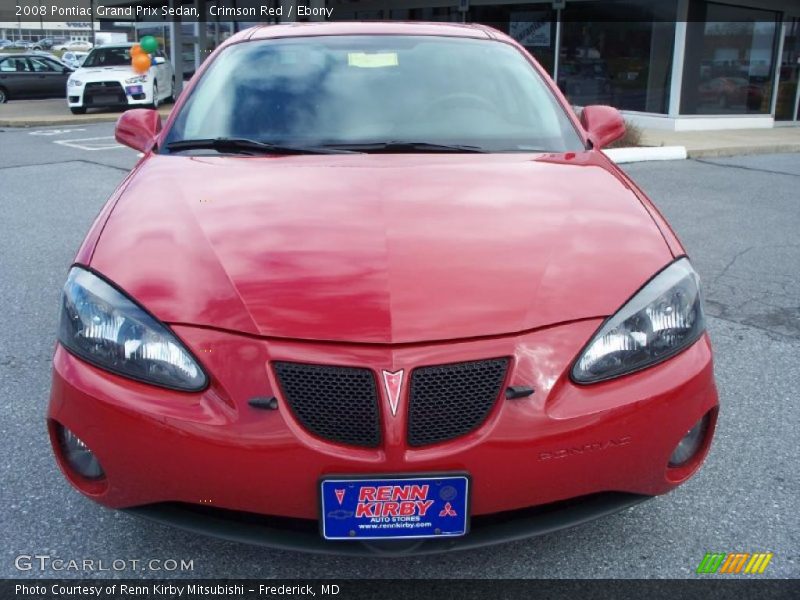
x,y
149,44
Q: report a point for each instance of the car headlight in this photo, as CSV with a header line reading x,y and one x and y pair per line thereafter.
x,y
137,79
663,318
74,83
104,327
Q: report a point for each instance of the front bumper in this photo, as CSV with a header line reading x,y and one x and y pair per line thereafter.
x,y
213,450
109,94
303,535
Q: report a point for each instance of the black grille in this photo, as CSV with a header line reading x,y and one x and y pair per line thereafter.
x,y
104,92
336,403
448,401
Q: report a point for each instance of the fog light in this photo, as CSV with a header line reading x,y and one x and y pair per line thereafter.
x,y
690,444
78,456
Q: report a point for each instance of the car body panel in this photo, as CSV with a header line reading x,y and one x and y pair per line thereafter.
x,y
257,239
385,262
563,441
33,75
80,45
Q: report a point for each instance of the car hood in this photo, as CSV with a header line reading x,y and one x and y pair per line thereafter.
x,y
379,248
89,74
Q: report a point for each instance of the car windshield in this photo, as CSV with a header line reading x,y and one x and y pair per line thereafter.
x,y
108,57
364,89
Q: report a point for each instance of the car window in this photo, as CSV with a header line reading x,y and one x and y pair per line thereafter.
x,y
15,64
369,89
108,57
41,65
55,65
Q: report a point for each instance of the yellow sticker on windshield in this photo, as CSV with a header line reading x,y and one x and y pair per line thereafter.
x,y
375,60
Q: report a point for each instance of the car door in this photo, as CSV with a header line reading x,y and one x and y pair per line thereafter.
x,y
17,77
61,73
51,79
8,76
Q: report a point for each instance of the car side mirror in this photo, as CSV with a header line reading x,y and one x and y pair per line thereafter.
x,y
159,60
138,128
66,70
604,124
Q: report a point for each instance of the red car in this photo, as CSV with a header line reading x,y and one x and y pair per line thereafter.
x,y
374,287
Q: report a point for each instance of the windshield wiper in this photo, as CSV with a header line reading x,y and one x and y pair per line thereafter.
x,y
396,146
248,146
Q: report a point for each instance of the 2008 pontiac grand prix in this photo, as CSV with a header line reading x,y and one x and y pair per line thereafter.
x,y
375,287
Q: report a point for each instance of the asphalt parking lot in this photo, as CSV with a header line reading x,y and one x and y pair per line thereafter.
x,y
739,219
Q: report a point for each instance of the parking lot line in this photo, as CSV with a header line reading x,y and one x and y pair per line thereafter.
x,y
90,144
49,132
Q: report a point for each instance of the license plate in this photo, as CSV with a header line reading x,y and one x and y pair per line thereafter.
x,y
394,507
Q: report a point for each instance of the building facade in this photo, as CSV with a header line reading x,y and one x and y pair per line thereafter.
x,y
672,64
33,31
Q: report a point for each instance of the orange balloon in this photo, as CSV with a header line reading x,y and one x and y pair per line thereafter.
x,y
136,49
140,63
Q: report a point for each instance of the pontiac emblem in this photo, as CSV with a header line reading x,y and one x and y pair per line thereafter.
x,y
393,383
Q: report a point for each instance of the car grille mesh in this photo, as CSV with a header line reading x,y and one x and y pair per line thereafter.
x,y
448,401
339,404
104,92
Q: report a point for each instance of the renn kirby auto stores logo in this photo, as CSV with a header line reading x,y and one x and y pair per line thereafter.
x,y
395,501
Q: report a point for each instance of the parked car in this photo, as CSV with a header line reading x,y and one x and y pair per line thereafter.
x,y
377,284
31,76
80,45
106,79
43,44
74,59
48,54
727,92
19,45
5,43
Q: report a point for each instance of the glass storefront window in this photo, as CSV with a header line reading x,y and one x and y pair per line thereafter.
x,y
785,106
625,63
532,25
729,61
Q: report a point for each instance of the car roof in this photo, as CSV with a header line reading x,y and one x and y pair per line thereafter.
x,y
28,55
320,28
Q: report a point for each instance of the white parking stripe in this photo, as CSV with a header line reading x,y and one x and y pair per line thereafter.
x,y
95,143
48,132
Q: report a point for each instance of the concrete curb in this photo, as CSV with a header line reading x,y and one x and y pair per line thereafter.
x,y
46,122
743,150
642,154
69,119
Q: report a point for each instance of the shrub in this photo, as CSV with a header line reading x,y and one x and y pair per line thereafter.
x,y
632,137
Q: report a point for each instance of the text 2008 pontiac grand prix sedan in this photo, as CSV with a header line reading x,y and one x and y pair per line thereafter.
x,y
376,283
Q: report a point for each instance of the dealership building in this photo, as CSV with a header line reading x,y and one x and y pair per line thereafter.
x,y
672,64
62,31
